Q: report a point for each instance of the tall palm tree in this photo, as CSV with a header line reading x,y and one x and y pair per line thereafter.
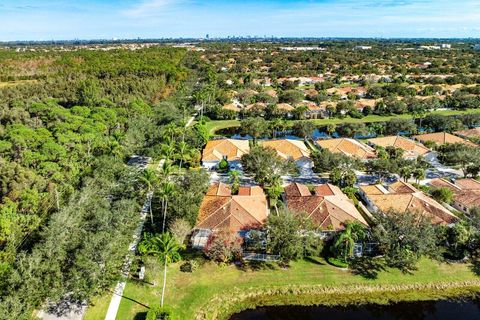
x,y
165,170
168,149
234,179
166,248
419,174
149,179
405,173
345,242
166,191
183,153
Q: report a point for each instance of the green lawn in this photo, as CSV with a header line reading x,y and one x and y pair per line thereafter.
x,y
188,293
216,125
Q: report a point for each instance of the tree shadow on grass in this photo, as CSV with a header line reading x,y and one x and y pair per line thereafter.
x,y
256,266
136,301
367,267
314,260
140,316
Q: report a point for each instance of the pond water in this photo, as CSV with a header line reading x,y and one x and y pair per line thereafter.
x,y
429,310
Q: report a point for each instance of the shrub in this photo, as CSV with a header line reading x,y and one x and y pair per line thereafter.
x,y
189,266
442,194
158,313
223,247
223,164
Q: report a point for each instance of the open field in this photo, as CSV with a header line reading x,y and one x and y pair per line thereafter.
x,y
216,125
189,293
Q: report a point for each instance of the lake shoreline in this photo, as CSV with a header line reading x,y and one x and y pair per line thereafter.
x,y
222,307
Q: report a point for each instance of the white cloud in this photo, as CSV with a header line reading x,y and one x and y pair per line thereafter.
x,y
150,8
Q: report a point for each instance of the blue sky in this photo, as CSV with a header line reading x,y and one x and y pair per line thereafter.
x,y
94,19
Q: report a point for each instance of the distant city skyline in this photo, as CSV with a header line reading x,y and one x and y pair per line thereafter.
x,y
130,19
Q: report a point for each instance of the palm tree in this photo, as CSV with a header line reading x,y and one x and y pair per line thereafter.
x,y
167,249
166,191
345,242
165,170
169,131
168,149
150,179
234,179
405,173
331,128
184,153
419,174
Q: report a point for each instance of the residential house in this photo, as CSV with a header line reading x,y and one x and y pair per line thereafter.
x,y
469,133
313,111
411,149
348,147
291,149
222,211
441,138
466,192
402,197
327,207
231,150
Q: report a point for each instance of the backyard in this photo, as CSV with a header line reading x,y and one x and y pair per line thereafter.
x,y
216,125
188,293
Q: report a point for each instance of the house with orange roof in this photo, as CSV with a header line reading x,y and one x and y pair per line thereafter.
x,y
291,149
411,149
348,147
327,207
441,138
466,192
232,107
231,150
222,211
469,133
402,197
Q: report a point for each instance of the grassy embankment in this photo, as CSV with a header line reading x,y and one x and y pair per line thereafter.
x,y
215,292
216,125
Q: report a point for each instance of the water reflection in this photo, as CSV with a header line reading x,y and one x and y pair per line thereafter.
x,y
431,310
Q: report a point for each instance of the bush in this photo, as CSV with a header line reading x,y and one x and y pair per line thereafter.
x,y
223,247
223,164
158,313
189,266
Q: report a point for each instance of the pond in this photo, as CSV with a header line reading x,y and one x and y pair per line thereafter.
x,y
425,310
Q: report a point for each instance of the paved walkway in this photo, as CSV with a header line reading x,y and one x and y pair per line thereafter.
x,y
120,287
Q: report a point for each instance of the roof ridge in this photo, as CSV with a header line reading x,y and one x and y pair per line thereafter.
x,y
243,207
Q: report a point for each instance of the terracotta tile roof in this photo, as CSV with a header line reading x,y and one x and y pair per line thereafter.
x,y
328,190
285,107
287,148
470,133
402,197
466,191
468,184
328,208
402,187
219,189
233,213
373,189
361,103
251,191
442,138
233,149
411,148
349,147
297,190
232,107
